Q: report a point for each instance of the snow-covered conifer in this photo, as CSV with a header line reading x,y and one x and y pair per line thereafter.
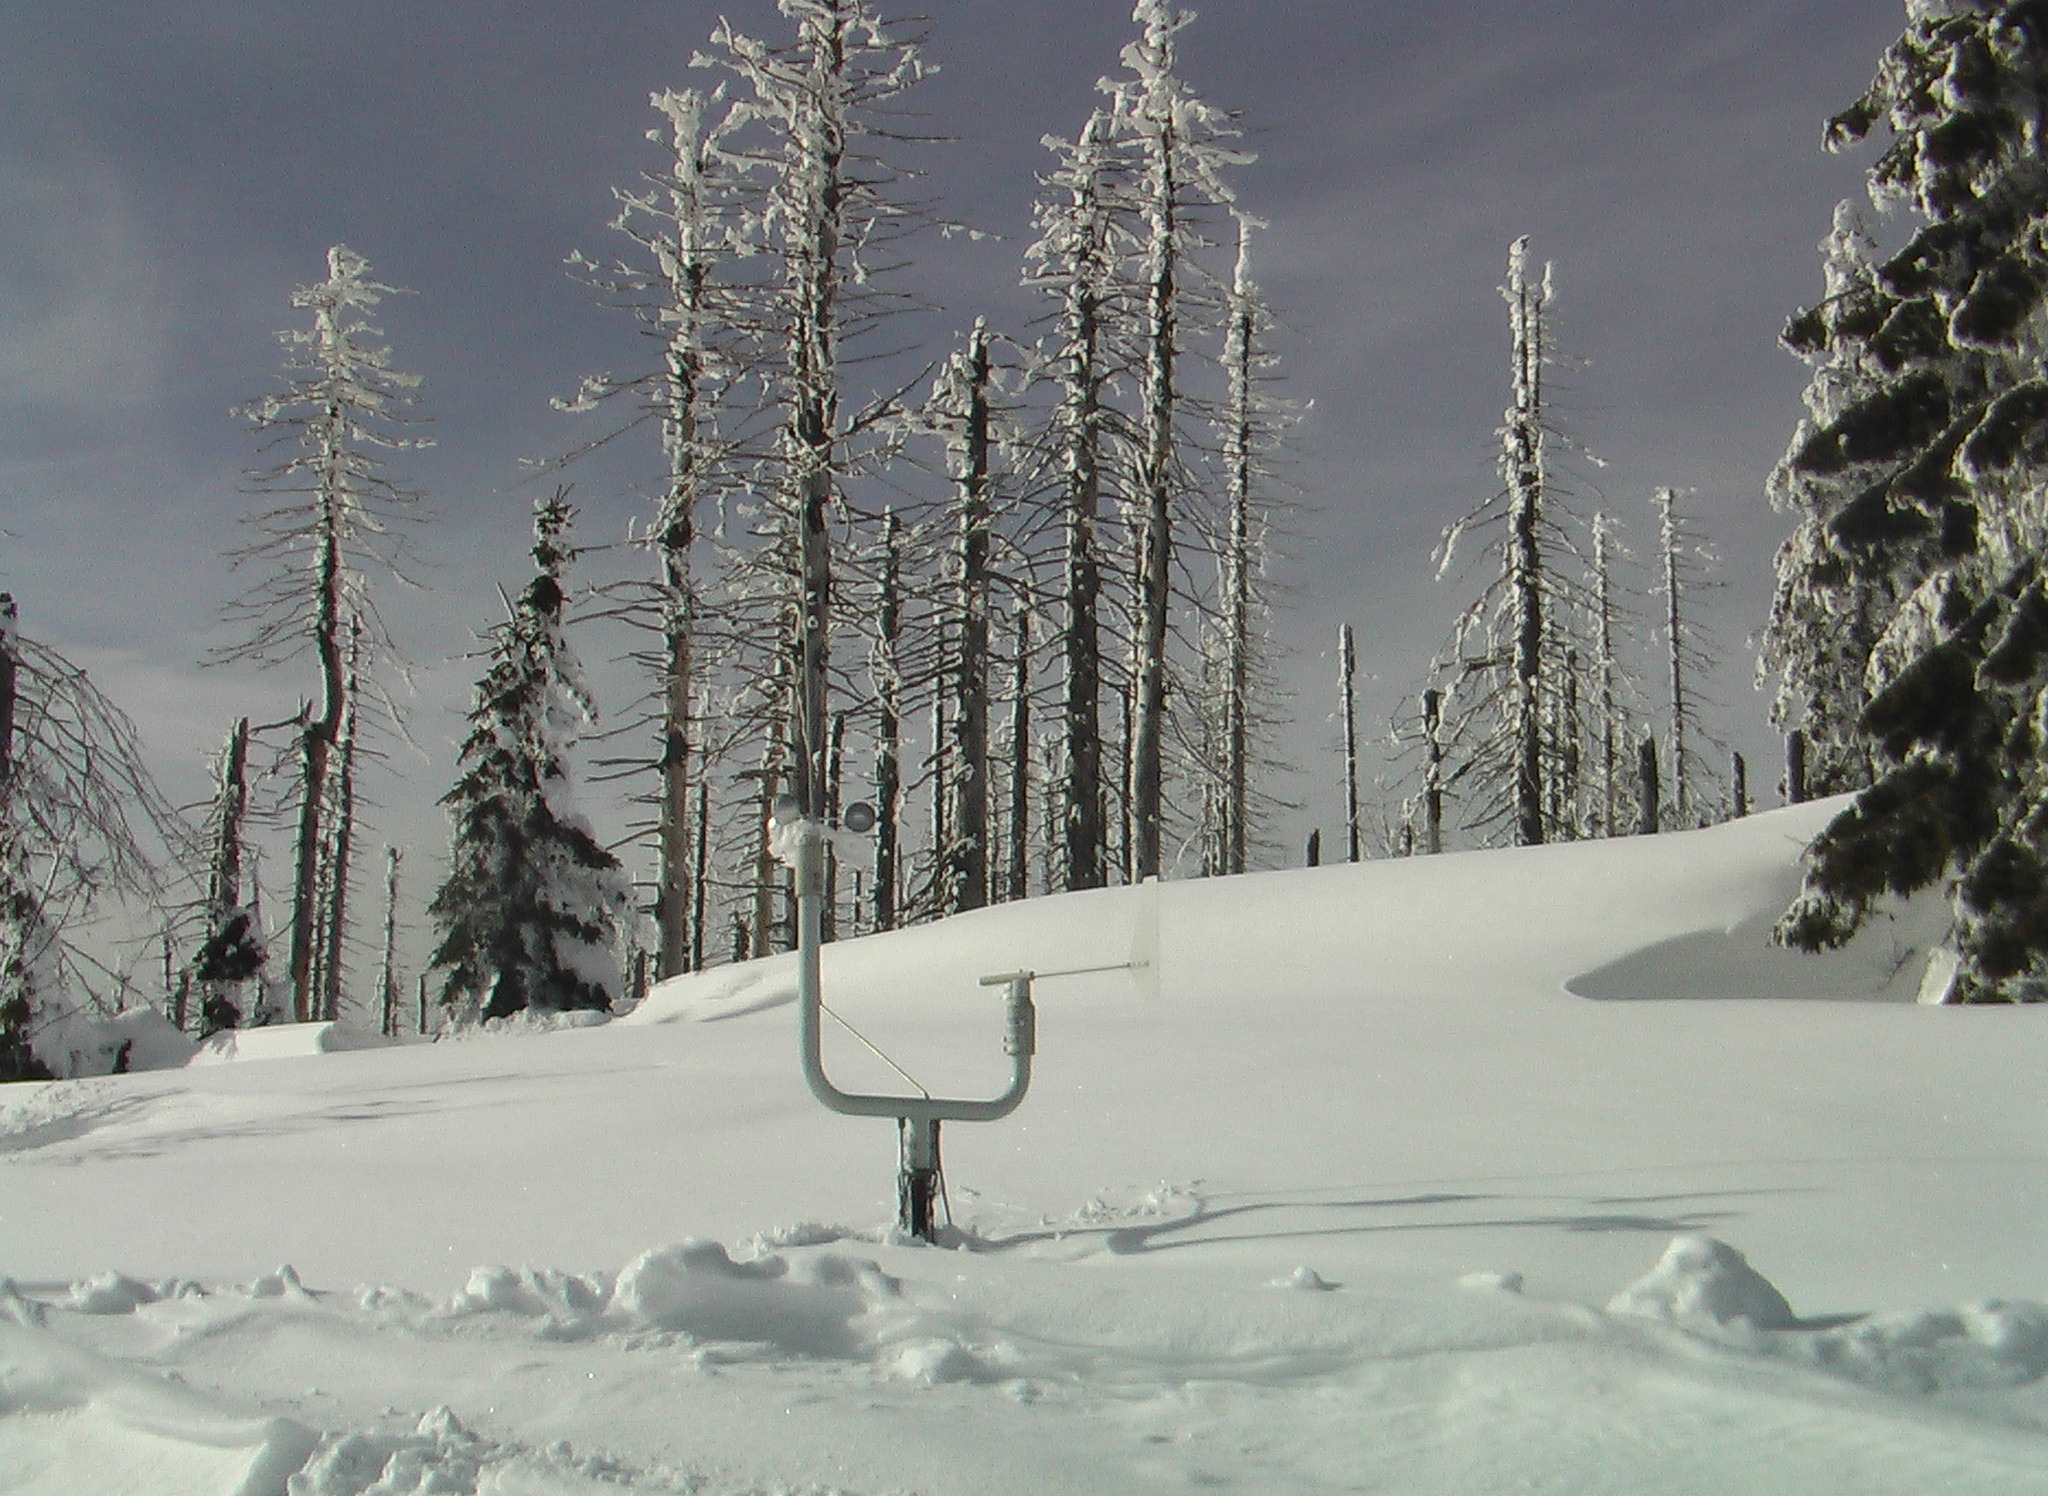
x,y
531,913
1945,451
1832,600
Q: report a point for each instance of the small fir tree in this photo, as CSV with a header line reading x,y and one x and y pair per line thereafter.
x,y
531,912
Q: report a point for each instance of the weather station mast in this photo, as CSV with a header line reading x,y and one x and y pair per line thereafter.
x,y
801,820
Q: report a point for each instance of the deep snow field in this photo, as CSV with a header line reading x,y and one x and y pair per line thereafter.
x,y
1429,1176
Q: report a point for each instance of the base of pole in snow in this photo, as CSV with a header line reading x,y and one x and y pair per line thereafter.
x,y
917,1177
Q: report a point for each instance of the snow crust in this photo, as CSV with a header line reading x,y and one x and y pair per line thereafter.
x,y
1423,1177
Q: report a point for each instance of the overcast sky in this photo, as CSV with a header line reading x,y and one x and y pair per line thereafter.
x,y
170,172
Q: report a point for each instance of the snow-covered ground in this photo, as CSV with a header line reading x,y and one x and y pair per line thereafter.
x,y
1434,1176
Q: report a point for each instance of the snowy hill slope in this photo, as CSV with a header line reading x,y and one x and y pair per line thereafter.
x,y
1333,1195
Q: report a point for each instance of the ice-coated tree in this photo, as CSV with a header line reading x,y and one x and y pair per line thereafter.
x,y
78,813
1176,144
1075,260
1946,452
1682,562
1347,707
885,671
1832,600
1250,422
336,519
962,408
232,953
1610,808
330,964
531,912
810,120
689,227
1510,654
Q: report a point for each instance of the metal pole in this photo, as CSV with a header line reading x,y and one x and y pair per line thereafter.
x,y
917,1117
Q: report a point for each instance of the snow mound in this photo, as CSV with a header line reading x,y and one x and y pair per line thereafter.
x,y
696,1289
570,1300
80,1424
440,1455
1701,1279
81,1043
726,992
1705,1285
1990,1344
114,1293
285,1041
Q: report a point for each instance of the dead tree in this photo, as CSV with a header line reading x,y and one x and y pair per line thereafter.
x,y
337,519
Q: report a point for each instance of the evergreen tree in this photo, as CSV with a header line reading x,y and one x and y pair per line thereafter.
x,y
1946,453
1832,600
531,912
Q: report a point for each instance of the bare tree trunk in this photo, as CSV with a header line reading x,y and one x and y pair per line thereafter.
x,y
1081,834
769,778
1610,748
317,744
942,805
1649,812
700,874
1155,536
224,877
673,888
888,727
1019,848
835,754
1795,768
963,853
1674,638
687,263
387,970
1526,481
1433,770
1127,842
1347,672
1240,565
10,672
342,842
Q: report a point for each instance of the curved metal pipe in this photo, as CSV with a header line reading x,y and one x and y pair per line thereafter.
x,y
1019,1030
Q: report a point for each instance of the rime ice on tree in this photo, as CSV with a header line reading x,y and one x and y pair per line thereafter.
x,y
1942,439
337,519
